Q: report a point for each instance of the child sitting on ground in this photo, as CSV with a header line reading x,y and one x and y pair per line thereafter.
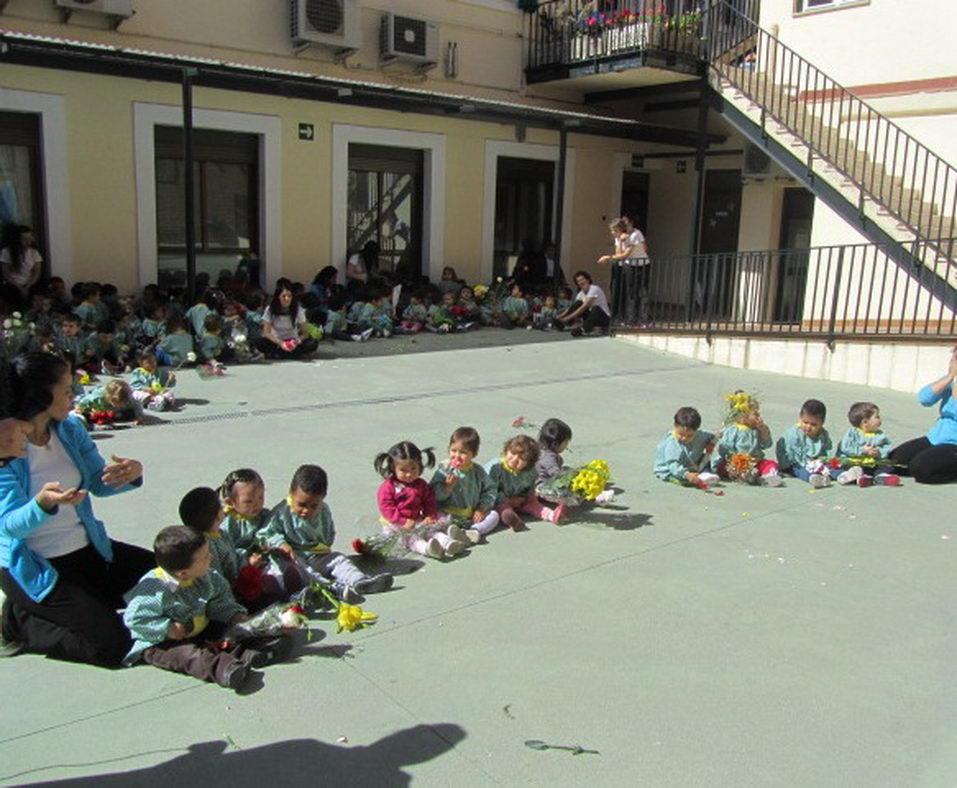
x,y
102,351
514,475
152,326
684,451
151,387
803,448
69,340
407,502
301,529
176,348
463,489
91,310
745,433
414,315
440,320
175,609
211,345
515,308
546,315
865,439
553,438
200,510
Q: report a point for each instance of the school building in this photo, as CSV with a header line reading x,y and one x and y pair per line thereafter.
x,y
787,160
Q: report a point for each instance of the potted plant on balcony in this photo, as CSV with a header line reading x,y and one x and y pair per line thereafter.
x,y
686,32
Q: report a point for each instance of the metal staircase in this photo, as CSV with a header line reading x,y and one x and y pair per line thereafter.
x,y
869,170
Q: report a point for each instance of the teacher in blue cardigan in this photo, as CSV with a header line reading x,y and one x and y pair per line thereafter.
x,y
932,459
63,576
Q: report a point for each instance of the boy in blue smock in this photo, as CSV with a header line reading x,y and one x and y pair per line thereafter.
x,y
804,448
865,443
684,451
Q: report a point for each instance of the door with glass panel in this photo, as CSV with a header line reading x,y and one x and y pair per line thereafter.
x,y
385,207
226,207
20,186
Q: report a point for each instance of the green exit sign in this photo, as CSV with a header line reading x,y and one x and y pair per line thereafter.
x,y
307,132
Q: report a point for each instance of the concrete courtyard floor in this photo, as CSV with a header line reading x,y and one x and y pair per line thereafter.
x,y
766,637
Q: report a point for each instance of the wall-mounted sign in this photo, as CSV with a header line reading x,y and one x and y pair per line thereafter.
x,y
307,132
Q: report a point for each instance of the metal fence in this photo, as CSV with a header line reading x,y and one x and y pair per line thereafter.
x,y
851,291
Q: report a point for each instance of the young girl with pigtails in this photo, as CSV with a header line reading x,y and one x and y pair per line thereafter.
x,y
407,503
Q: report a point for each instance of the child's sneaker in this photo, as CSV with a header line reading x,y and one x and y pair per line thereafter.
x,y
455,547
473,536
865,481
851,475
555,515
605,496
434,549
349,595
269,652
235,675
156,403
364,336
457,534
513,521
374,584
771,480
708,479
819,480
888,479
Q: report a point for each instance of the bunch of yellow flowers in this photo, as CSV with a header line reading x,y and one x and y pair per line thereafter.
x,y
479,291
739,401
591,479
352,617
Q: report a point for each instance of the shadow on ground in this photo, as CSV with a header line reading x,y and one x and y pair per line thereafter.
x,y
291,762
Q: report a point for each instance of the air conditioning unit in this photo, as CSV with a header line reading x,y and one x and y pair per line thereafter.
x,y
114,8
408,39
757,163
331,23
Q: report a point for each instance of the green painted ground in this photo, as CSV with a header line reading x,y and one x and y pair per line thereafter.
x,y
763,638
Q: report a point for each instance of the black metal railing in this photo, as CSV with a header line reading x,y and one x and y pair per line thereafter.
x,y
886,164
570,31
831,292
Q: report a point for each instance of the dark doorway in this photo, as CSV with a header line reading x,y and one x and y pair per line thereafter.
x,y
713,270
797,216
524,202
385,206
21,196
634,198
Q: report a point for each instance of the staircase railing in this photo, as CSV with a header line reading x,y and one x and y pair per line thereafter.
x,y
829,292
884,162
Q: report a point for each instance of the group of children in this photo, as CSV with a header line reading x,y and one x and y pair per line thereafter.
x,y
232,555
691,456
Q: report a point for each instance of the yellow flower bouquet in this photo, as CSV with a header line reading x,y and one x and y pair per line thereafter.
x,y
576,484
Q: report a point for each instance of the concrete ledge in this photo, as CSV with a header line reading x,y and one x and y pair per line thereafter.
x,y
898,366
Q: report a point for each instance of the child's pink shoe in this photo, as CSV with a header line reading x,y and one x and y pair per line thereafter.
x,y
888,479
555,515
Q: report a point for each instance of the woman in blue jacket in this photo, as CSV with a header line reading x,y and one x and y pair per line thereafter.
x,y
64,578
933,458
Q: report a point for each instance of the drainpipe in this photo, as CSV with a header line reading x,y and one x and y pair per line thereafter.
x,y
697,201
189,186
560,197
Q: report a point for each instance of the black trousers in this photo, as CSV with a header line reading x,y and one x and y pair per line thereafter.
x,y
594,318
928,464
77,621
272,350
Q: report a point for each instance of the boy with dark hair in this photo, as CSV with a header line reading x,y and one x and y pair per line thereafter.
x,y
803,448
866,439
684,451
302,529
181,605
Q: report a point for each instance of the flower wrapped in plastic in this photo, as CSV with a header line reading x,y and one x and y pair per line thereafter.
x,y
575,485
348,617
273,620
741,467
864,461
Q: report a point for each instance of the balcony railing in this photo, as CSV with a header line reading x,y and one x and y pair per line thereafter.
x,y
566,32
863,291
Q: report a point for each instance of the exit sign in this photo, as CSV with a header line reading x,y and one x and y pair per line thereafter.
x,y
307,132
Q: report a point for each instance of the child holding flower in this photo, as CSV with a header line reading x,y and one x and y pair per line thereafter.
x,y
463,488
740,449
555,484
866,444
151,387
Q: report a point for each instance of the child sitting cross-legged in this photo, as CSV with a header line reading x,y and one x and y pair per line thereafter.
x,y
103,405
464,490
178,609
684,451
407,502
514,475
301,529
151,387
746,436
803,448
865,442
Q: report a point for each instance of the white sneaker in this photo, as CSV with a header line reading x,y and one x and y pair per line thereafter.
x,y
454,547
605,496
364,336
708,479
434,549
819,480
156,403
456,534
771,480
355,337
473,536
851,475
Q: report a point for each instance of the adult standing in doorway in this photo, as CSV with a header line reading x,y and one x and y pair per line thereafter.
x,y
590,306
623,276
361,267
642,265
553,274
932,459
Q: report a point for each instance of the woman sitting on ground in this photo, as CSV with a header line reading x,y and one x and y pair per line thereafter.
x,y
284,325
590,306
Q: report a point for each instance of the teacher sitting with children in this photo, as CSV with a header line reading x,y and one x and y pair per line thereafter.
x,y
63,576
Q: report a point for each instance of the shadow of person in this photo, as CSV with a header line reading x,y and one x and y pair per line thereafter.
x,y
619,521
293,762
